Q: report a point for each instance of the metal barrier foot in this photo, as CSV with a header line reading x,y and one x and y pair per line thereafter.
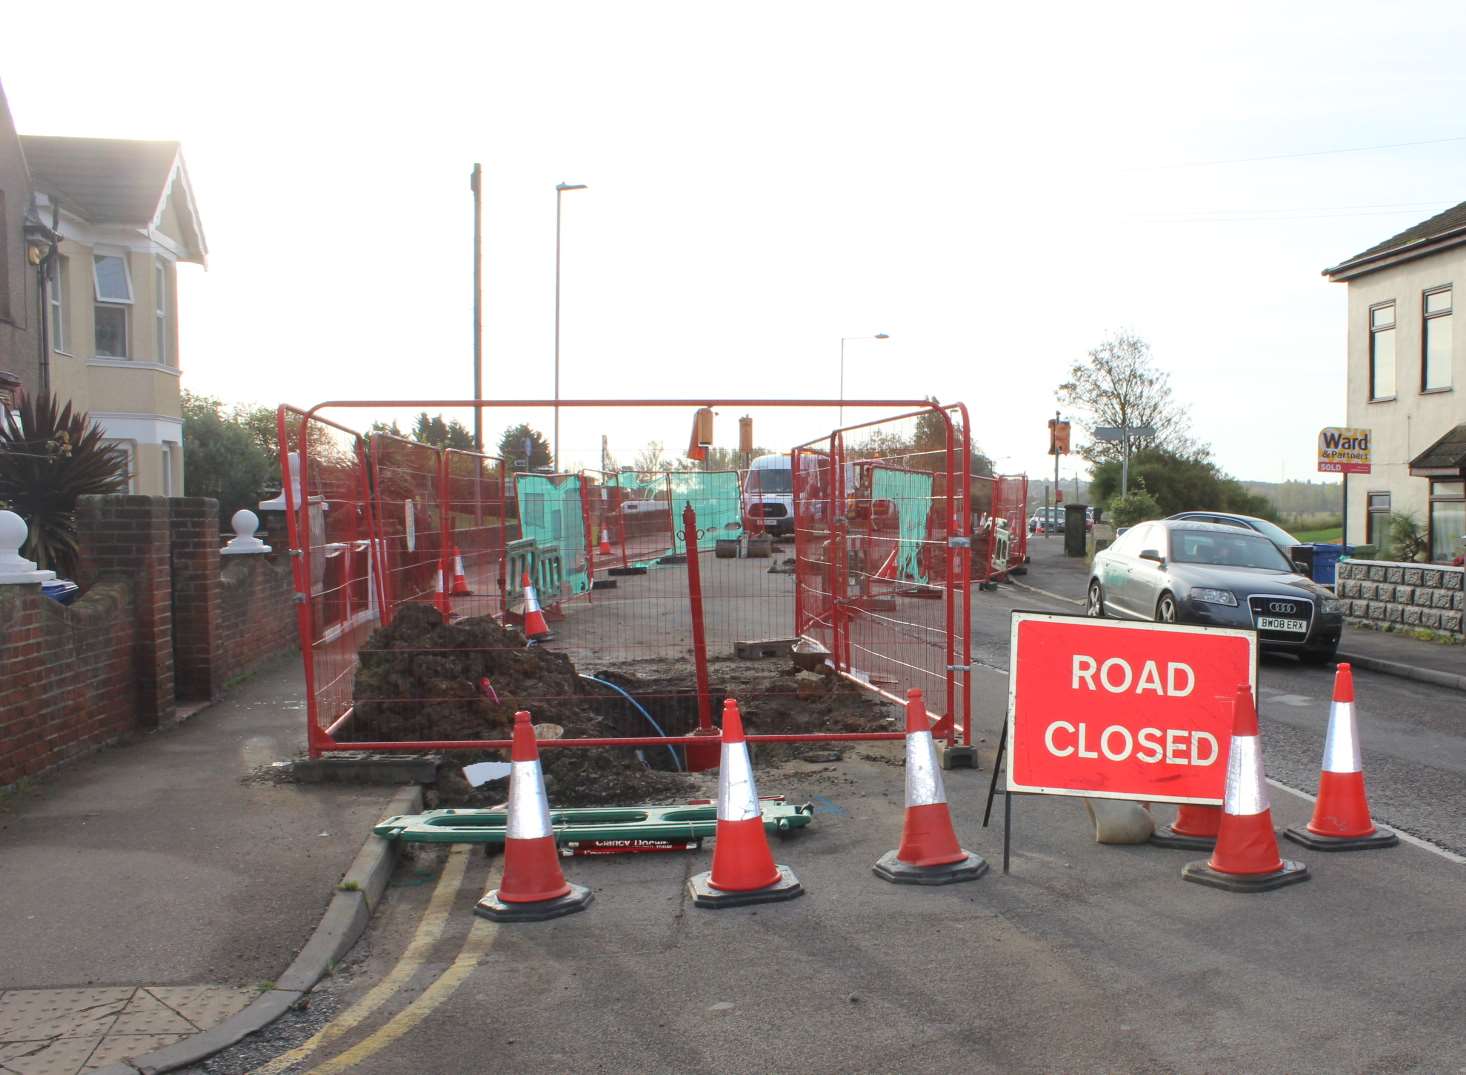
x,y
958,757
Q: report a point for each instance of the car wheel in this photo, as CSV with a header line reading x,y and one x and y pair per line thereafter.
x,y
1165,609
1096,605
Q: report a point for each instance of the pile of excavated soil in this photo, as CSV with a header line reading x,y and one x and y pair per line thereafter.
x,y
420,679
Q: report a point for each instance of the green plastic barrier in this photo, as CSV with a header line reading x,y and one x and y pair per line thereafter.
x,y
595,823
911,492
716,497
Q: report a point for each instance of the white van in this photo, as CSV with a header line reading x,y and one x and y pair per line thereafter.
x,y
768,495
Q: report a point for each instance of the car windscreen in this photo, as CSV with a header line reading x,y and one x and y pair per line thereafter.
x,y
769,481
1226,549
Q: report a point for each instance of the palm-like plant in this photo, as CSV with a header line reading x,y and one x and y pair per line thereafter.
x,y
49,456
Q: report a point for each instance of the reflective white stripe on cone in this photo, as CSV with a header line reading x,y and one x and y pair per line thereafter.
x,y
929,853
1341,820
1246,855
533,887
743,869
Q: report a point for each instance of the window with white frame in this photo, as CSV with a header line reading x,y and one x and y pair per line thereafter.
x,y
1447,519
160,299
113,287
1435,361
1382,351
168,454
60,276
129,451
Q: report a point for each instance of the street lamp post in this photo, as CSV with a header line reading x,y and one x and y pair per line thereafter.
x,y
560,189
877,336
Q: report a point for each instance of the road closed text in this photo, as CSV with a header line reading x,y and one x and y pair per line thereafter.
x,y
1123,710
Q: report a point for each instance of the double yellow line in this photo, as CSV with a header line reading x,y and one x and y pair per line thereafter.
x,y
429,931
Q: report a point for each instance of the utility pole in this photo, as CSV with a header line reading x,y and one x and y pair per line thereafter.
x,y
475,182
1055,513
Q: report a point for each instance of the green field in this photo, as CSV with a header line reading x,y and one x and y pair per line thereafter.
x,y
1329,535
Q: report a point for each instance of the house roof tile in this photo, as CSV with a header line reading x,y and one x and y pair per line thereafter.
x,y
1453,220
1448,452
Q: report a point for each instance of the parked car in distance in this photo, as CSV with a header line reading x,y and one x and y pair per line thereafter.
x,y
1218,575
1051,519
1272,531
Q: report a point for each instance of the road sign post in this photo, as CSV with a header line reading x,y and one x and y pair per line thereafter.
x,y
1121,710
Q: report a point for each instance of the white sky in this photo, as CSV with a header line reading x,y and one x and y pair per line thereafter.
x,y
994,189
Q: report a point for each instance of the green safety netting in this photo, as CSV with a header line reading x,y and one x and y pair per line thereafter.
x,y
911,492
550,513
716,497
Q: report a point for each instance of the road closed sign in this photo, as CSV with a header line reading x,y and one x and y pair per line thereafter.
x,y
1123,710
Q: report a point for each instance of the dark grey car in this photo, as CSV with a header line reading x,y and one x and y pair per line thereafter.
x,y
1181,571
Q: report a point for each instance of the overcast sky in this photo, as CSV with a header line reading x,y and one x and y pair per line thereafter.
x,y
996,190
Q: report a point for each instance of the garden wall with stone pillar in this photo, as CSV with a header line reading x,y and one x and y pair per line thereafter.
x,y
1396,596
165,616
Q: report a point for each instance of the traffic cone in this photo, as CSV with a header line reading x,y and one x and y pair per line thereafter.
x,y
460,581
605,549
1195,828
929,853
535,627
1246,856
440,597
743,870
888,569
533,887
1341,820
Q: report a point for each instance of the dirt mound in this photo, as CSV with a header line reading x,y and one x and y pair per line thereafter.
x,y
421,679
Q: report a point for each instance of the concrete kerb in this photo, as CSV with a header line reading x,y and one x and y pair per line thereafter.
x,y
1433,676
357,896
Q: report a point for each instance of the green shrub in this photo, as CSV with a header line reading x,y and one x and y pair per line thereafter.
x,y
1408,542
1133,508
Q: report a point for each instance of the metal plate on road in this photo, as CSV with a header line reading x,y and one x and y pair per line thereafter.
x,y
1123,710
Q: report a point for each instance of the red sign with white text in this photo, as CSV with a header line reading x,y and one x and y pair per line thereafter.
x,y
1123,710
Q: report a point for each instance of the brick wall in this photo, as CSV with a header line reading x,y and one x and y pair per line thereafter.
x,y
256,614
1380,593
162,617
69,682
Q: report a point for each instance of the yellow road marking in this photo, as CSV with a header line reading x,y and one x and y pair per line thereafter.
x,y
416,953
480,938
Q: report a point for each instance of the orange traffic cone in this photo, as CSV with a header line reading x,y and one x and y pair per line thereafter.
x,y
440,597
929,853
1341,820
743,870
460,580
533,887
888,569
1246,856
605,548
535,627
1195,828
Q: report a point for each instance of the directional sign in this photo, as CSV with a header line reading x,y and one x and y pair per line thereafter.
x,y
1117,433
1343,451
1123,710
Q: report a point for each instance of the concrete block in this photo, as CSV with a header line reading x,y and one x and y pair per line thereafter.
x,y
1428,617
1430,577
1376,573
1440,599
1412,616
1413,577
1375,610
1453,580
1403,595
1394,614
1395,575
1451,621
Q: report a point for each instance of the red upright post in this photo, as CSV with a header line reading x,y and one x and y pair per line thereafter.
x,y
698,757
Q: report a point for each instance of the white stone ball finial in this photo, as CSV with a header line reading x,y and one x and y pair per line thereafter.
x,y
244,542
14,568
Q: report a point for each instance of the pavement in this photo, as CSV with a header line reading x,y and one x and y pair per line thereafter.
x,y
157,890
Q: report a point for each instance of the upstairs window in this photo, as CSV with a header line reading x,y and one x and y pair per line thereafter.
x,y
1382,351
56,297
160,292
1435,363
113,288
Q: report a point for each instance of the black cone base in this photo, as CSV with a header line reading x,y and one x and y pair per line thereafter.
x,y
1378,838
491,906
627,571
1202,873
704,894
1169,837
889,868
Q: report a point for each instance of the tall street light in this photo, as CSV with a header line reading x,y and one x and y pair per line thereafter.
x,y
560,189
877,336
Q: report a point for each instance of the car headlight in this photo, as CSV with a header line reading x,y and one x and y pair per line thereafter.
x,y
1214,597
1332,606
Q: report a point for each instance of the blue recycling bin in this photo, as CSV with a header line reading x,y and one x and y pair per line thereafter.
x,y
62,591
1326,561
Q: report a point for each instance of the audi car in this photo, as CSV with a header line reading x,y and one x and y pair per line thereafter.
x,y
1185,571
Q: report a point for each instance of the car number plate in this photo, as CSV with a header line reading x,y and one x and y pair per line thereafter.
x,y
1275,623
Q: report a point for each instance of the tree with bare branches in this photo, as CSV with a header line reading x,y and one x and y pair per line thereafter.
x,y
1119,384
